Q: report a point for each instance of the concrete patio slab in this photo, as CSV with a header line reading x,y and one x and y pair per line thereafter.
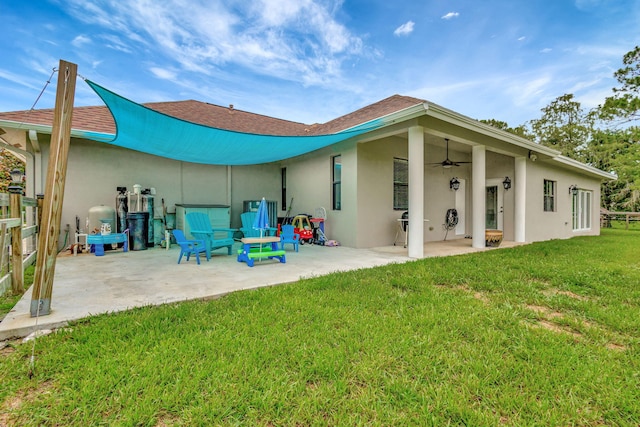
x,y
86,285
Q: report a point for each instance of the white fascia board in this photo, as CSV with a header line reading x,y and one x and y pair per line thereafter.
x,y
584,167
445,114
451,116
396,117
75,133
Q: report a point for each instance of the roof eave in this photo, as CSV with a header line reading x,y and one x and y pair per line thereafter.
x,y
75,133
436,110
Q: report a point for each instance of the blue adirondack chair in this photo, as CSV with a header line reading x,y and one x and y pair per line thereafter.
x,y
189,247
214,238
248,218
288,236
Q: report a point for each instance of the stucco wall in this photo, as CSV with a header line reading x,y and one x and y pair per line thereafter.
x,y
541,225
309,184
94,171
367,217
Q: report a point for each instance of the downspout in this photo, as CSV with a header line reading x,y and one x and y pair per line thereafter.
x,y
229,185
37,166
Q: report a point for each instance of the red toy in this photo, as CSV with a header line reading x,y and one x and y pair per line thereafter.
x,y
302,227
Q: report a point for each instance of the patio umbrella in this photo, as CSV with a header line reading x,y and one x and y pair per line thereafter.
x,y
262,217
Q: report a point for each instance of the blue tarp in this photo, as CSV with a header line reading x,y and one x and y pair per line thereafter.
x,y
143,129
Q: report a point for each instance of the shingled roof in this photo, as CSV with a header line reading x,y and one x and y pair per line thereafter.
x,y
98,118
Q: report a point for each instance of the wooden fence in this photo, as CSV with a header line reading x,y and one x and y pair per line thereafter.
x,y
627,217
18,234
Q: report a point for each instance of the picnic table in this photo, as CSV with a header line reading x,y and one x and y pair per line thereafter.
x,y
249,251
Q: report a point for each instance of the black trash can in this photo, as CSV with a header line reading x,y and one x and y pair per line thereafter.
x,y
138,223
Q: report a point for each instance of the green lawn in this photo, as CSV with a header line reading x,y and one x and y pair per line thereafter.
x,y
546,334
9,300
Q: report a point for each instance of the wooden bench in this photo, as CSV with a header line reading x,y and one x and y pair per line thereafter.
x,y
248,254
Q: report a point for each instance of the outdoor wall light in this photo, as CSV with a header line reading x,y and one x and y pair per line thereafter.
x,y
573,189
533,156
16,181
506,183
454,184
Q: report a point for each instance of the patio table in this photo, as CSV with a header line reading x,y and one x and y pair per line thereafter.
x,y
248,254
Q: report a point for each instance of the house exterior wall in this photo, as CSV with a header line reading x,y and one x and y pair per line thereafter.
x,y
367,217
253,183
94,170
375,192
541,225
309,184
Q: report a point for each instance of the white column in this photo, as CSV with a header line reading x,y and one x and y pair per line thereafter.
x,y
416,192
478,195
520,198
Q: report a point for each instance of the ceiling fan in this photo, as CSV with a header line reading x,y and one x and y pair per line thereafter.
x,y
447,163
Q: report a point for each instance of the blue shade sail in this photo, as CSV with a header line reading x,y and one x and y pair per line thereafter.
x,y
143,129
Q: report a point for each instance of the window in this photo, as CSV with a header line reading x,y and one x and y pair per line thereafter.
x,y
582,210
283,186
549,196
336,179
400,184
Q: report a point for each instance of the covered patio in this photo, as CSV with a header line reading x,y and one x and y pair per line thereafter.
x,y
87,285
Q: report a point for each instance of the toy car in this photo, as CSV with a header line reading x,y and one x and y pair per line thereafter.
x,y
302,227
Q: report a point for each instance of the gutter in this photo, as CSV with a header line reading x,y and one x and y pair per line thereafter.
x,y
75,133
438,111
492,132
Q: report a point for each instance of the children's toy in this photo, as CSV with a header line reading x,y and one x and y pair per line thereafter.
x,y
302,227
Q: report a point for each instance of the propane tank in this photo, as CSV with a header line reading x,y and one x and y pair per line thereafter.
x,y
99,215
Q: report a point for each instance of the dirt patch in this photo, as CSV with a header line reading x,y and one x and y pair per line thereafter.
x,y
554,291
6,348
546,311
167,420
13,403
616,347
554,327
481,297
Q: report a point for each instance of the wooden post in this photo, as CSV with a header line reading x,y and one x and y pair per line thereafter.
x,y
54,190
17,277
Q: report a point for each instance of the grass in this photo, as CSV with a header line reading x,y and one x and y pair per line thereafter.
x,y
538,335
9,300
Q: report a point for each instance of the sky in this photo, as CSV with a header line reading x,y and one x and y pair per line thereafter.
x,y
311,61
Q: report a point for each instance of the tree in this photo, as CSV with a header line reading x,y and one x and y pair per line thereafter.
x,y
617,151
564,126
521,130
624,105
623,145
8,162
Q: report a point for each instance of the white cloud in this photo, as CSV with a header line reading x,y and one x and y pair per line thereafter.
x,y
545,50
404,29
522,38
297,40
451,15
163,73
80,41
